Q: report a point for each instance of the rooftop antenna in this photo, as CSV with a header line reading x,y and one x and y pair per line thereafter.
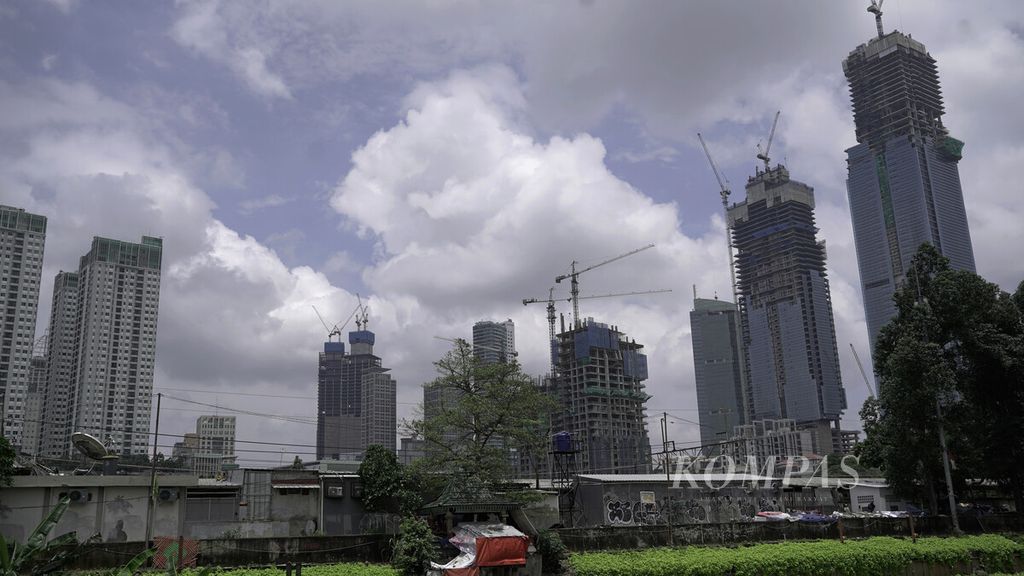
x,y
876,9
763,155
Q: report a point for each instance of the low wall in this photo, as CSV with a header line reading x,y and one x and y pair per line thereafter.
x,y
254,551
632,537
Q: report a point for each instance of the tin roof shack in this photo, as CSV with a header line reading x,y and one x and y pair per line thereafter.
x,y
650,499
463,507
114,507
487,549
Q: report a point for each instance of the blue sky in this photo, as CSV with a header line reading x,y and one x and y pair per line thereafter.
x,y
447,159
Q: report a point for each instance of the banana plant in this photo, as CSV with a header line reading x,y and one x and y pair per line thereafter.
x,y
20,558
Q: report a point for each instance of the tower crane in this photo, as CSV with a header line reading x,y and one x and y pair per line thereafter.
x,y
574,275
724,193
863,374
363,317
876,9
551,307
335,330
763,155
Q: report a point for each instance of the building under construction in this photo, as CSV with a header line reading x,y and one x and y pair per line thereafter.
x,y
601,398
792,361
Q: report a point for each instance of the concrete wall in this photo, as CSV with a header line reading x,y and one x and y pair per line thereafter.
x,y
114,507
620,504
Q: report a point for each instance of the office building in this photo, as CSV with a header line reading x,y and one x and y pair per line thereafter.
x,y
59,391
792,361
494,341
903,180
718,364
600,393
214,445
22,239
103,346
341,421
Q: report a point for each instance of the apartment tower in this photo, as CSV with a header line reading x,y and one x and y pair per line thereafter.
x,y
102,347
22,238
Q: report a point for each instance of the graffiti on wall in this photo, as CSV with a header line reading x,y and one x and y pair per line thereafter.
x,y
626,512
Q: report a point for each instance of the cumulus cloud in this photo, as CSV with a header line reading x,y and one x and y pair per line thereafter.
x,y
472,214
233,317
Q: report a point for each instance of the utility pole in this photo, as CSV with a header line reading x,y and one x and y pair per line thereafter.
x,y
152,475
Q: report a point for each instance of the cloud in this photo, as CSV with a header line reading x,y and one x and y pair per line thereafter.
x,y
48,62
250,206
233,317
472,214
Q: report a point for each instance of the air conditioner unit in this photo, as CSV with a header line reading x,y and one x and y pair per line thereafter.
x,y
167,495
335,491
77,496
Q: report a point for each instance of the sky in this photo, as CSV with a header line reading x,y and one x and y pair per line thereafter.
x,y
446,159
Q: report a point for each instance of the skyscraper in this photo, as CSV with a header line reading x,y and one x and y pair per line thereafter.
x,y
717,365
494,341
902,176
103,346
601,399
22,239
341,418
792,361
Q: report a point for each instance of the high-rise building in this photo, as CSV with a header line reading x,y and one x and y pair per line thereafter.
x,y
600,393
32,432
380,421
494,341
718,364
902,177
103,336
792,361
340,414
214,445
62,344
22,239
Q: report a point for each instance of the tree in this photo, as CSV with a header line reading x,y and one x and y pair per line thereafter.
x,y
387,485
954,351
7,458
484,410
415,547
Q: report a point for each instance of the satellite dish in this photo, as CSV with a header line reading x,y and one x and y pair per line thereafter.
x,y
91,446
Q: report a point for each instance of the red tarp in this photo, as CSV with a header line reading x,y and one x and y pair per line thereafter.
x,y
472,571
501,551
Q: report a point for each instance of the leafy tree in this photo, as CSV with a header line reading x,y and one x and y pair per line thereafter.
x,y
7,455
37,553
387,485
955,351
486,409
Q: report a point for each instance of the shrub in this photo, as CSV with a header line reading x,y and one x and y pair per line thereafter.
x,y
552,551
416,546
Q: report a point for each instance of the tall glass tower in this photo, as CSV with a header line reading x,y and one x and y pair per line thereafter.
x,y
903,181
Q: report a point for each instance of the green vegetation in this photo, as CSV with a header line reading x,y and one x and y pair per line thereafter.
x,y
39,554
479,404
344,569
552,551
415,547
957,340
7,456
387,485
870,557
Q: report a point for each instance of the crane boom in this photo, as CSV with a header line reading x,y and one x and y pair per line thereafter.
x,y
876,9
574,274
860,366
714,168
768,147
